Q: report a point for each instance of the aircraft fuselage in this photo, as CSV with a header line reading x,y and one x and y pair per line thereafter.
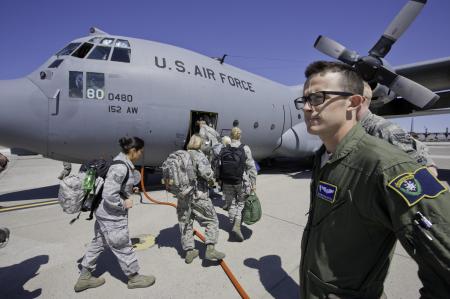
x,y
79,109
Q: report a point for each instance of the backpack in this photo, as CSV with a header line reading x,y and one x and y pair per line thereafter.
x,y
232,164
252,210
72,196
215,159
178,173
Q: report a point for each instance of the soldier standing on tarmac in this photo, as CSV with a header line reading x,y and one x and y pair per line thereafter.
x,y
391,132
210,136
198,206
238,177
111,225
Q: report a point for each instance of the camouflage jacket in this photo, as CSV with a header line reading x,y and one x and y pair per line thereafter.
x,y
112,206
382,128
209,135
202,169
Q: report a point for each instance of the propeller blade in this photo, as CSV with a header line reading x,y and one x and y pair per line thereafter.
x,y
411,91
400,23
336,50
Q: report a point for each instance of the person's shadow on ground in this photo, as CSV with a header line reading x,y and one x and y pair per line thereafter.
x,y
171,237
107,262
225,227
14,277
47,192
272,276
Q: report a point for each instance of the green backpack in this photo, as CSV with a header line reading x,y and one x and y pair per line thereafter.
x,y
252,210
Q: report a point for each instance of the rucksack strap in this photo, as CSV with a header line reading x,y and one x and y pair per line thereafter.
x,y
243,149
98,198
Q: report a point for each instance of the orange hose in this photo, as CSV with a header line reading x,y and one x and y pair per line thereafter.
x,y
224,266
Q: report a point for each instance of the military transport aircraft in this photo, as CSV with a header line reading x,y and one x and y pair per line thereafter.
x,y
101,87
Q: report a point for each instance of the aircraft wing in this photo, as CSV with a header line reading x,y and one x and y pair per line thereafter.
x,y
434,74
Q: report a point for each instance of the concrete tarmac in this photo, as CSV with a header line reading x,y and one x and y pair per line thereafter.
x,y
43,254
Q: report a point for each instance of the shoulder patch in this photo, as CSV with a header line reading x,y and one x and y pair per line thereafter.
x,y
326,191
414,186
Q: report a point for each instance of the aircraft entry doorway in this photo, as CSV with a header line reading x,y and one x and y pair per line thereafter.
x,y
211,119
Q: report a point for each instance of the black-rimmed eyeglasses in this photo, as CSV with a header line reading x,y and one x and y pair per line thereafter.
x,y
317,98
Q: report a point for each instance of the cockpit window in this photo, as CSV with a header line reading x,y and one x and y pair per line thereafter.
x,y
121,43
55,63
75,84
95,86
68,49
107,41
100,53
83,50
121,54
95,40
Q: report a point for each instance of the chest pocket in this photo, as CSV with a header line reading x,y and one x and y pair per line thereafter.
x,y
339,207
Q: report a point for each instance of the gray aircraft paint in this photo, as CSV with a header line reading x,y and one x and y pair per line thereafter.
x,y
165,84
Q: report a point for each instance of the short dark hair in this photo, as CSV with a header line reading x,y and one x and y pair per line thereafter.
x,y
351,80
127,143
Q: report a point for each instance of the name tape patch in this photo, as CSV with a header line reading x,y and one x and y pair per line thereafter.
x,y
326,191
414,186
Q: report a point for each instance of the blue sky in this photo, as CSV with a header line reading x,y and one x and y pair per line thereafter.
x,y
271,38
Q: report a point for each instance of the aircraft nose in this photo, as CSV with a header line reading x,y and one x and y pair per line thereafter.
x,y
23,115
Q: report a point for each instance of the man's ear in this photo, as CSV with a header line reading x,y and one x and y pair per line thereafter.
x,y
355,102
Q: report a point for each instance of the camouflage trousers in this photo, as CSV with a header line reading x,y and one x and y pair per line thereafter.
x,y
200,208
235,195
115,235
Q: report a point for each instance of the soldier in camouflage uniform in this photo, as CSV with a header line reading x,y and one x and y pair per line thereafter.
x,y
209,135
215,152
196,205
111,225
235,195
382,128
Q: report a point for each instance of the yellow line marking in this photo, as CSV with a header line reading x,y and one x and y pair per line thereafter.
x,y
27,206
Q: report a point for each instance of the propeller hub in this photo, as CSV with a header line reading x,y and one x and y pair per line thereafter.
x,y
368,67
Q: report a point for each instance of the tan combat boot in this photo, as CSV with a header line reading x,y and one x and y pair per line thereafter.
x,y
87,281
191,255
140,281
212,254
237,231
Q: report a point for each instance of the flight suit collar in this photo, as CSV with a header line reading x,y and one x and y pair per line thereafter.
x,y
124,158
348,144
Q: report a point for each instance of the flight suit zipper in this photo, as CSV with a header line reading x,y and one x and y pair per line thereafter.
x,y
303,272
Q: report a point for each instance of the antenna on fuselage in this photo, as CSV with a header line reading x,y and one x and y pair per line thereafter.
x,y
96,31
221,60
